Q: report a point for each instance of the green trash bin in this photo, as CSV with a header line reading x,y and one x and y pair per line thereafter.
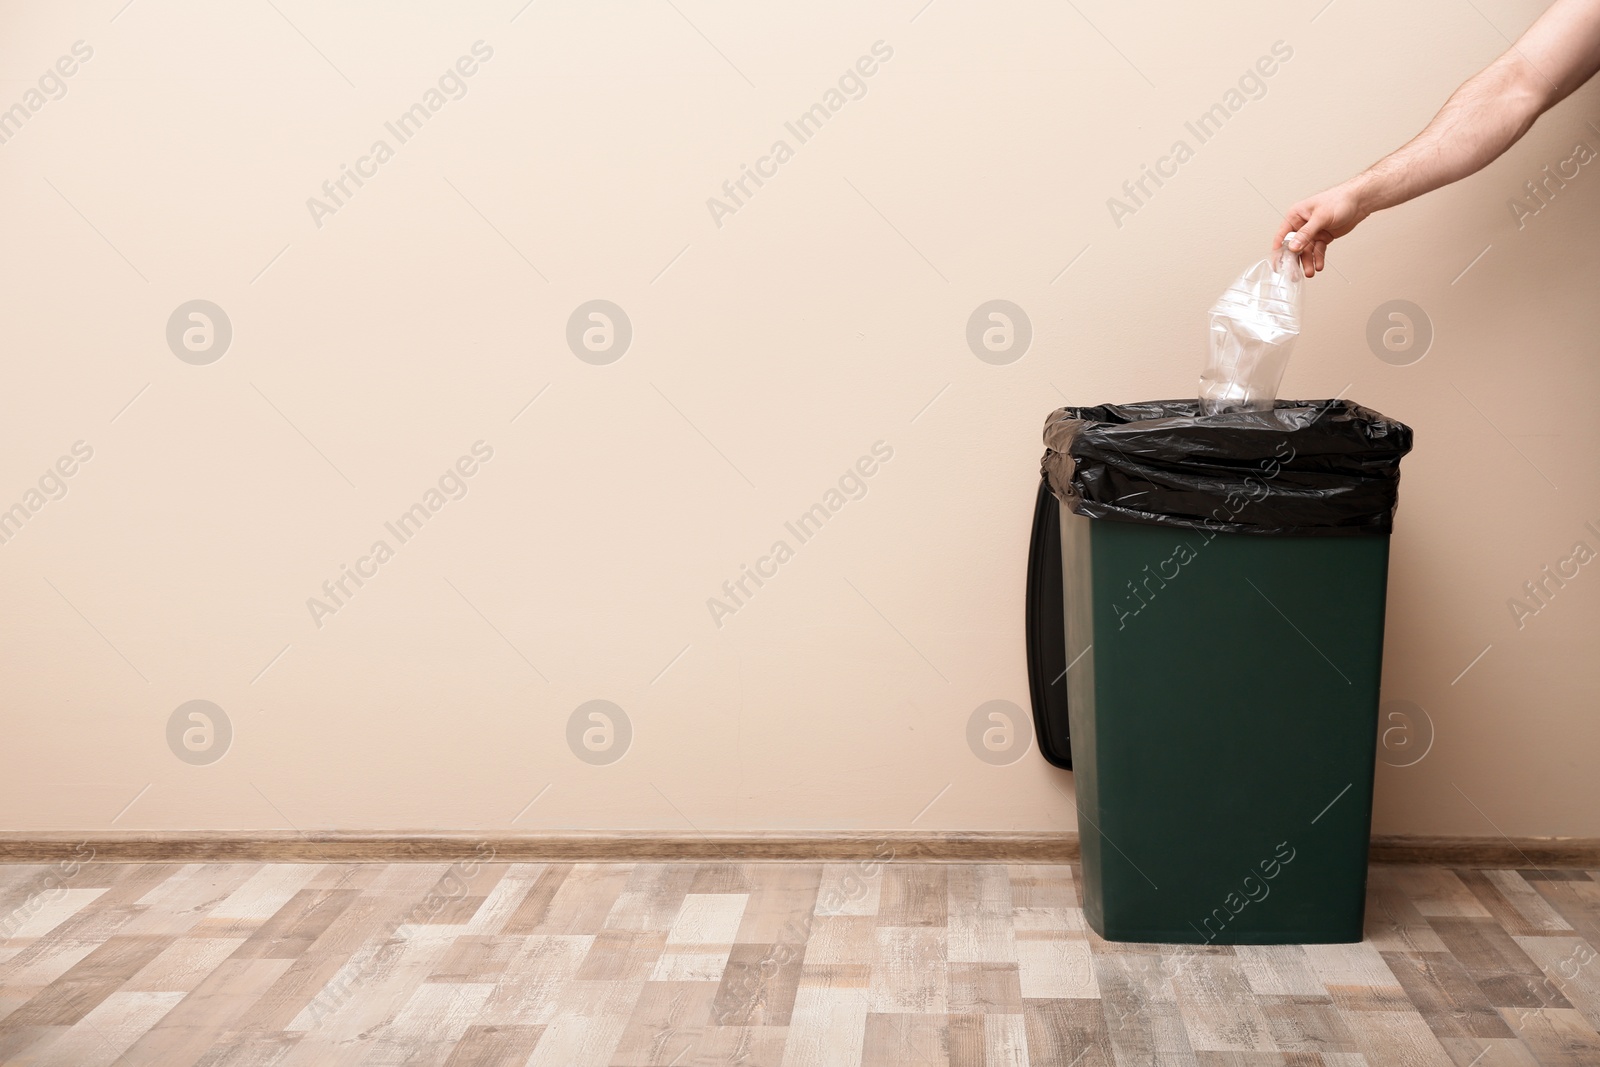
x,y
1224,582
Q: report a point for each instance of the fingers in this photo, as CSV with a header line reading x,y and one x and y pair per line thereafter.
x,y
1314,258
1308,233
1310,241
1309,226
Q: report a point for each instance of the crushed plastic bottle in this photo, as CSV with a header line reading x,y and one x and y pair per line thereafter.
x,y
1253,329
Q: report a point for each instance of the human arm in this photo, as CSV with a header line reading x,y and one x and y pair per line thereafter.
x,y
1482,118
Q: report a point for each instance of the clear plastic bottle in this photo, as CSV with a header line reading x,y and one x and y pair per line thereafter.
x,y
1253,329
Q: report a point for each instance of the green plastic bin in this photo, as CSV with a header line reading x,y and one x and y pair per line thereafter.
x,y
1223,703
1223,769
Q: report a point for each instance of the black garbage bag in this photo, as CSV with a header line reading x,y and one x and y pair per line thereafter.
x,y
1319,467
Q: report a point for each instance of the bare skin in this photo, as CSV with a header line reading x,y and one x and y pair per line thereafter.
x,y
1483,118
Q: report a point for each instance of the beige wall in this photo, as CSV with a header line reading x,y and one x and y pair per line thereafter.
x,y
769,353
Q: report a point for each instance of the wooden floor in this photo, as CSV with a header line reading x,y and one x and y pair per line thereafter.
x,y
763,964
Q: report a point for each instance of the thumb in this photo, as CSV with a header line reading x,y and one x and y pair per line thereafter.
x,y
1289,225
1310,231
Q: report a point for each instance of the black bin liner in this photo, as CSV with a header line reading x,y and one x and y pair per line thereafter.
x,y
1315,467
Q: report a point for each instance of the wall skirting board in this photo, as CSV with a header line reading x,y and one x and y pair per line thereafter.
x,y
1001,846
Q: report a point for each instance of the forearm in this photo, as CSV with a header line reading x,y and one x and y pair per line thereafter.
x,y
1482,119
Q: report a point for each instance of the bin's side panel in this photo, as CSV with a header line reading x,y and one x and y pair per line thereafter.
x,y
1078,578
1233,719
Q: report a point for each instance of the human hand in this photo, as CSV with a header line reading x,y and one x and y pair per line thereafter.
x,y
1314,222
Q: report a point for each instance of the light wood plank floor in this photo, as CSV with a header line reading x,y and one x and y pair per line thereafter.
x,y
764,964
